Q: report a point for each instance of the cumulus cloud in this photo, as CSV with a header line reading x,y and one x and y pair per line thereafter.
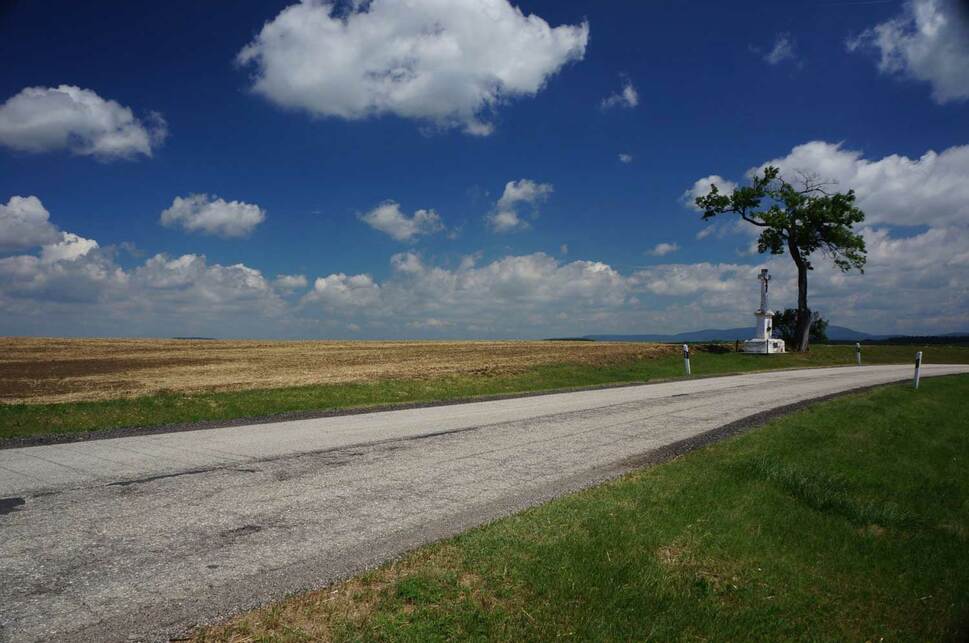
x,y
448,62
524,191
625,158
74,285
25,224
895,189
663,249
626,97
690,279
406,262
388,218
42,119
430,322
499,295
928,42
344,290
70,248
290,283
527,295
783,49
79,288
215,216
506,221
31,287
192,278
702,187
906,273
505,217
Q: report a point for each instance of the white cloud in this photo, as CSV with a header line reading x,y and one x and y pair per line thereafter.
x,y
290,283
905,275
929,42
74,286
625,158
406,262
515,296
41,119
69,248
447,62
663,249
689,279
342,290
505,217
702,188
215,216
895,189
912,284
782,50
32,287
524,191
430,322
189,279
626,97
506,221
25,224
503,293
388,218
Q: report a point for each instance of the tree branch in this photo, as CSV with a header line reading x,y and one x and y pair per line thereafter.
x,y
754,221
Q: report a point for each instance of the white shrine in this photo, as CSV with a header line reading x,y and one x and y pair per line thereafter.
x,y
762,341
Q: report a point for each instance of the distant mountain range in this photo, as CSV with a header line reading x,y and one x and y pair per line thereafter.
x,y
835,333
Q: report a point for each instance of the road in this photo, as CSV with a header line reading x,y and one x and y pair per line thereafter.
x,y
140,538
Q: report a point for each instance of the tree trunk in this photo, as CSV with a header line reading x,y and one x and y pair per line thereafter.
x,y
802,331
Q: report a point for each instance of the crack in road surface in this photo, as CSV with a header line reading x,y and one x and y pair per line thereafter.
x,y
148,536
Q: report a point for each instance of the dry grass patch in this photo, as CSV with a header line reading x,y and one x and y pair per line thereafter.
x,y
428,579
48,370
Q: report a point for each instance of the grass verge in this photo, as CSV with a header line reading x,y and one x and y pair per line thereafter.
x,y
25,420
845,521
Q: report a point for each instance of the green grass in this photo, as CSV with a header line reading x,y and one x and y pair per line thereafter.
x,y
845,521
21,420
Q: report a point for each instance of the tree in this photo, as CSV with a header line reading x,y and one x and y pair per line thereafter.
x,y
785,325
799,222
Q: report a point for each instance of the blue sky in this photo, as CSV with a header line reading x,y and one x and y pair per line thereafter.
x,y
300,157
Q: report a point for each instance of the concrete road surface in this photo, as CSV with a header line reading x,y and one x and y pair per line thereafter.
x,y
143,537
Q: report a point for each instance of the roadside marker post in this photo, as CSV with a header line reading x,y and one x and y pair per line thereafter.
x,y
918,367
858,353
686,358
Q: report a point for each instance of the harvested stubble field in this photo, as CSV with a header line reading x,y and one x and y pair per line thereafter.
x,y
54,370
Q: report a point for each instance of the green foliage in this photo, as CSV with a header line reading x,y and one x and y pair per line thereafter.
x,y
798,221
801,221
785,325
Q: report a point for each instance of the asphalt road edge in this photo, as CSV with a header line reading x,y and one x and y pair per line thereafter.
x,y
289,416
374,555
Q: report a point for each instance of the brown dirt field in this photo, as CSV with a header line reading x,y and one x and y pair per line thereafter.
x,y
45,370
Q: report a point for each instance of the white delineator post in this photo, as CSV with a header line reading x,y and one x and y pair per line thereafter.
x,y
858,353
918,367
686,358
